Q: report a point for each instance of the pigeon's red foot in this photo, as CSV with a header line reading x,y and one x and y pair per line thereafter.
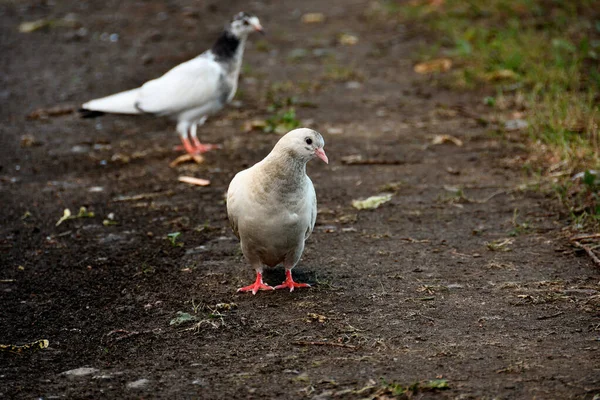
x,y
204,147
195,147
289,282
256,286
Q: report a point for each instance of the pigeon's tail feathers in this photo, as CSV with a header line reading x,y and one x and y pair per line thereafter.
x,y
120,103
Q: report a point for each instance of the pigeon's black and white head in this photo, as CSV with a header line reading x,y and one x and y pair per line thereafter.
x,y
244,23
303,144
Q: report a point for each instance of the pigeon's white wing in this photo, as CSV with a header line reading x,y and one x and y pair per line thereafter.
x,y
235,197
311,197
190,85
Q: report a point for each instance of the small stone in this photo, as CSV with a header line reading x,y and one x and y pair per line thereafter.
x,y
80,371
139,384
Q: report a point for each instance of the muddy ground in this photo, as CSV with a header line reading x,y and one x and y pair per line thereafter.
x,y
423,288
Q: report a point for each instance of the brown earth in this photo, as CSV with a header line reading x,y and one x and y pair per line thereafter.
x,y
411,290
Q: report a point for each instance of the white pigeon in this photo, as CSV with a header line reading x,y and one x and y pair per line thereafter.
x,y
191,91
272,206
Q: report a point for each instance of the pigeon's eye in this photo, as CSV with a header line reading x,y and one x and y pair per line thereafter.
x,y
246,22
308,140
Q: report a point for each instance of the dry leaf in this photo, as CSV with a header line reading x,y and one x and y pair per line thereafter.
x,y
251,125
371,202
347,39
313,18
197,158
437,65
503,74
194,181
440,139
42,113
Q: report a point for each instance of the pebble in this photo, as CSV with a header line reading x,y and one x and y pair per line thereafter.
x,y
140,383
80,371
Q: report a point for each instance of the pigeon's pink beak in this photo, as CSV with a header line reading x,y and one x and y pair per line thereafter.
x,y
321,154
258,28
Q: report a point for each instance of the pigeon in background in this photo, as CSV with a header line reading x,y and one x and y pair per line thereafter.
x,y
272,206
191,91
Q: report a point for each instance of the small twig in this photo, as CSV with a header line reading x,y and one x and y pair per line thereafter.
x,y
589,251
304,343
550,316
585,236
372,161
127,334
411,240
142,196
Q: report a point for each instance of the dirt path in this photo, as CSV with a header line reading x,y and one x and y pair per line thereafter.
x,y
477,287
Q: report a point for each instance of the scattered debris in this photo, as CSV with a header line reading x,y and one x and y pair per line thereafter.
x,y
44,113
371,202
255,124
313,18
515,125
357,159
142,196
411,240
312,317
225,306
194,181
68,21
172,237
501,75
139,384
441,139
347,39
38,344
392,187
305,343
83,213
182,318
437,65
578,241
197,158
29,141
80,371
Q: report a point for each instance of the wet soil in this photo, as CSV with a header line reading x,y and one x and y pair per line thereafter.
x,y
479,287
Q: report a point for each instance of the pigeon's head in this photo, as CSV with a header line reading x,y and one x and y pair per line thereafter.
x,y
243,24
304,144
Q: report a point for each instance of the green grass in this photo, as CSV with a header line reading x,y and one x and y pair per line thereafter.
x,y
546,54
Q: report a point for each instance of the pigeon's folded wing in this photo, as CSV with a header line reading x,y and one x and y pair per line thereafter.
x,y
312,198
234,198
190,85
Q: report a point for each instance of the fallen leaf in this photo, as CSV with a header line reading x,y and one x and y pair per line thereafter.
x,y
32,26
194,181
502,74
437,65
371,202
182,318
347,39
197,158
66,216
515,125
313,18
251,125
440,139
42,113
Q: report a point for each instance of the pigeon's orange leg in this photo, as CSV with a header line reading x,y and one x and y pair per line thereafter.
x,y
256,286
289,282
188,146
203,148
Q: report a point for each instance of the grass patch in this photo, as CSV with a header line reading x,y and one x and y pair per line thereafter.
x,y
542,54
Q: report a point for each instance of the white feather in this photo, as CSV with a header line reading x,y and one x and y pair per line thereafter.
x,y
120,103
189,86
